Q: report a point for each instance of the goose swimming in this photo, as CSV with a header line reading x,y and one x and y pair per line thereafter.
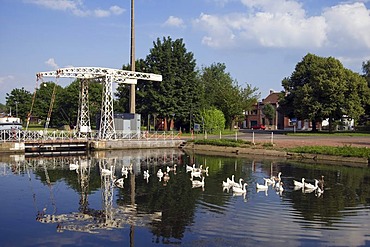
x,y
299,184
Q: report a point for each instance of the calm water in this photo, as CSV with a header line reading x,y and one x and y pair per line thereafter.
x,y
45,203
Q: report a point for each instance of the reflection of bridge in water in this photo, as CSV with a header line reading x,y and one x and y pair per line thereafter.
x,y
88,219
67,141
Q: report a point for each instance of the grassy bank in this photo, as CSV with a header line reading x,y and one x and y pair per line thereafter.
x,y
344,151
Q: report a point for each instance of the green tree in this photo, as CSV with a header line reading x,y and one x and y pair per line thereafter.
x,y
3,108
68,102
224,93
319,89
43,100
177,96
19,101
365,118
213,119
269,111
366,71
122,94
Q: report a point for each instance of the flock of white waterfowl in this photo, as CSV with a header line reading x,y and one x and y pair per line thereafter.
x,y
197,177
276,183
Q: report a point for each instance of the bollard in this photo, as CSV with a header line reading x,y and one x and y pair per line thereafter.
x,y
272,137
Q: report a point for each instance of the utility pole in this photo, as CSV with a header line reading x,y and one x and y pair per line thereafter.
x,y
132,59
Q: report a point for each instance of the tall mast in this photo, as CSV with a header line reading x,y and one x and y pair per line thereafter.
x,y
132,59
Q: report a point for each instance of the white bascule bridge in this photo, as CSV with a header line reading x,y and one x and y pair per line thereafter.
x,y
107,77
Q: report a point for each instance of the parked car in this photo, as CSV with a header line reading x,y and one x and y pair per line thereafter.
x,y
259,127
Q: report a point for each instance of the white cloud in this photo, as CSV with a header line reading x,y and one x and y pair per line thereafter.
x,y
116,10
6,79
348,25
51,62
173,21
101,13
76,7
285,24
220,30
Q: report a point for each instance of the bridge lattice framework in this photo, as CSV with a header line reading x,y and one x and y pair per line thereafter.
x,y
106,76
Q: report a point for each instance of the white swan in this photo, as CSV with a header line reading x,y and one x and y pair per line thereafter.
x,y
146,176
225,184
172,168
311,186
279,187
279,176
190,168
198,169
269,181
196,174
160,174
205,170
299,184
197,183
262,186
240,190
230,181
238,185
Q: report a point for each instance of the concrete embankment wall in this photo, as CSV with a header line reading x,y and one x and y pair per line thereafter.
x,y
133,144
19,147
12,147
261,152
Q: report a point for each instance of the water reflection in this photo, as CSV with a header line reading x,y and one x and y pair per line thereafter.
x,y
181,198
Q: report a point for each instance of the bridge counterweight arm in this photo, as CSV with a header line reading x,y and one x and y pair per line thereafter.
x,y
118,75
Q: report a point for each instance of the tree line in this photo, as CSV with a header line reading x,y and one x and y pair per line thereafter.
x,y
321,88
318,88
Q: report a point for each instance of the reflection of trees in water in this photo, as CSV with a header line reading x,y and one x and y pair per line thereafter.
x,y
176,202
344,187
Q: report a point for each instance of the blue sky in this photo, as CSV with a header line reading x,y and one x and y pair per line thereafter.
x,y
259,41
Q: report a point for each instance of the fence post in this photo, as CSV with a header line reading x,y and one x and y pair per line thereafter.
x,y
272,137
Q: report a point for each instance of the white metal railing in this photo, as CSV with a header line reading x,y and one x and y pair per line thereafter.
x,y
58,135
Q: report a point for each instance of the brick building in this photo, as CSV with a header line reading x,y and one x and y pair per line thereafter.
x,y
256,116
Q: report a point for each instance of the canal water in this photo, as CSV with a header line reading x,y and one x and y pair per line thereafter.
x,y
46,201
